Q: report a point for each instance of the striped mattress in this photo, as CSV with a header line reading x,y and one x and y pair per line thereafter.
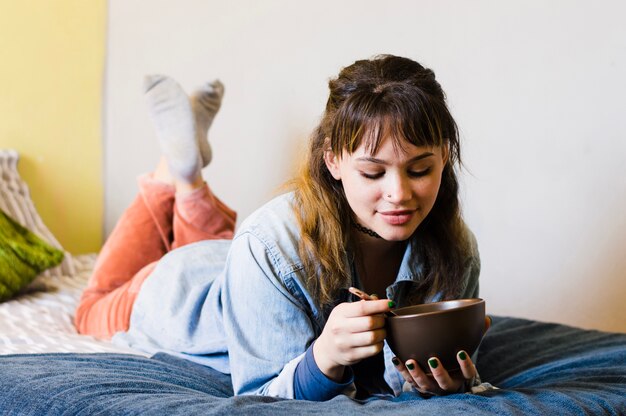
x,y
41,320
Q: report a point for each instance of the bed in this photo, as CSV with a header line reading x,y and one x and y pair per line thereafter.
x,y
47,368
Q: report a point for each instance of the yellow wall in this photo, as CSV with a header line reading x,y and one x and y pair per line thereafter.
x,y
51,76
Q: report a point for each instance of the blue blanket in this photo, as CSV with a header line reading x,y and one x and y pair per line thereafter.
x,y
540,368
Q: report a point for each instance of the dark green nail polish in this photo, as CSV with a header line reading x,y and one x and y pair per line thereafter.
x,y
433,363
391,304
462,355
395,361
410,366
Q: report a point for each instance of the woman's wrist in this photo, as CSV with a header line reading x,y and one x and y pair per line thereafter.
x,y
328,367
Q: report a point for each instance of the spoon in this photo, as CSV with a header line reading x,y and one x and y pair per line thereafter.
x,y
364,296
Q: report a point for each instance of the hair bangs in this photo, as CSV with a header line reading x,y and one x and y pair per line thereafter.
x,y
407,117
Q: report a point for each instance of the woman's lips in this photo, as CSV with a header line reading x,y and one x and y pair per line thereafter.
x,y
397,217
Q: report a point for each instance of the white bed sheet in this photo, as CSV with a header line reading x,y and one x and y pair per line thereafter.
x,y
41,320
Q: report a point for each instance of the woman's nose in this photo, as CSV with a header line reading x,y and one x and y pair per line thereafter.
x,y
397,190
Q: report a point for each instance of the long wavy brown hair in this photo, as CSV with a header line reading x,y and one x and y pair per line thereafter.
x,y
370,100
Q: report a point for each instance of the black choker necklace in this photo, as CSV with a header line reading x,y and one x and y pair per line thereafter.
x,y
365,230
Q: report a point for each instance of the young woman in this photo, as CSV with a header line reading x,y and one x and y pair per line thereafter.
x,y
375,207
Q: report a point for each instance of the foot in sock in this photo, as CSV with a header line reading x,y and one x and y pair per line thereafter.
x,y
205,103
174,121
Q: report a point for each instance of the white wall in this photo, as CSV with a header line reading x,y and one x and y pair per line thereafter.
x,y
538,90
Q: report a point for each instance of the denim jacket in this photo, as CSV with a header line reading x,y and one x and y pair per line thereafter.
x,y
242,307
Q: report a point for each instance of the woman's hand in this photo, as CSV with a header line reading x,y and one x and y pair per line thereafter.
x,y
353,332
440,381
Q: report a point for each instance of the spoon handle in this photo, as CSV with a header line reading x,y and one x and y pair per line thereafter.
x,y
364,296
360,294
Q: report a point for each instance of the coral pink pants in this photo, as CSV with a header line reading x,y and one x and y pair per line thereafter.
x,y
158,221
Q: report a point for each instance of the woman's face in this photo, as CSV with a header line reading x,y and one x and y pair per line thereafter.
x,y
392,191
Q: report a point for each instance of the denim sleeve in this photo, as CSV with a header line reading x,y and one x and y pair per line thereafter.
x,y
311,384
268,329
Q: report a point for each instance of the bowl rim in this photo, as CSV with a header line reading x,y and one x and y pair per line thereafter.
x,y
476,301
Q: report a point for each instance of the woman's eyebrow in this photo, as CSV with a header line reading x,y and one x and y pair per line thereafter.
x,y
382,162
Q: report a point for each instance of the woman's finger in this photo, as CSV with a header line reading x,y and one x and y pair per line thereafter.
x,y
488,322
365,323
421,380
364,339
357,354
441,376
403,371
467,366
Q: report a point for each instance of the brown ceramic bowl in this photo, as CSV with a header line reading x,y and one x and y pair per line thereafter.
x,y
439,329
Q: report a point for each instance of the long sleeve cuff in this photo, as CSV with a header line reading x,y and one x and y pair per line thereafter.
x,y
311,384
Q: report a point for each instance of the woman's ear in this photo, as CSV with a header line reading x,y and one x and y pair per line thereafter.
x,y
331,160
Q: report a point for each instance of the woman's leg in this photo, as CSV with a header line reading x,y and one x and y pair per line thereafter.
x,y
125,263
152,225
141,237
200,215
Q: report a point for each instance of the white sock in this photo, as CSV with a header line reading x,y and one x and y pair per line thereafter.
x,y
205,103
171,113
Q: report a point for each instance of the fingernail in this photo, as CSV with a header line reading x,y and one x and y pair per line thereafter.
x,y
395,361
490,320
410,366
462,355
391,304
433,363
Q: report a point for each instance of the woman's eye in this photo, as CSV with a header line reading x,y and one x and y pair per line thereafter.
x,y
372,175
419,173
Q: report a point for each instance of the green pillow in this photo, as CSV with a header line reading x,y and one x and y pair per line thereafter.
x,y
23,256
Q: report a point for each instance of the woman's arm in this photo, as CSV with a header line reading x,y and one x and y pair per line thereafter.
x,y
267,327
271,334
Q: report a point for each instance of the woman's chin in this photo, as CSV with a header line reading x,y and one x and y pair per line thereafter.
x,y
398,234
